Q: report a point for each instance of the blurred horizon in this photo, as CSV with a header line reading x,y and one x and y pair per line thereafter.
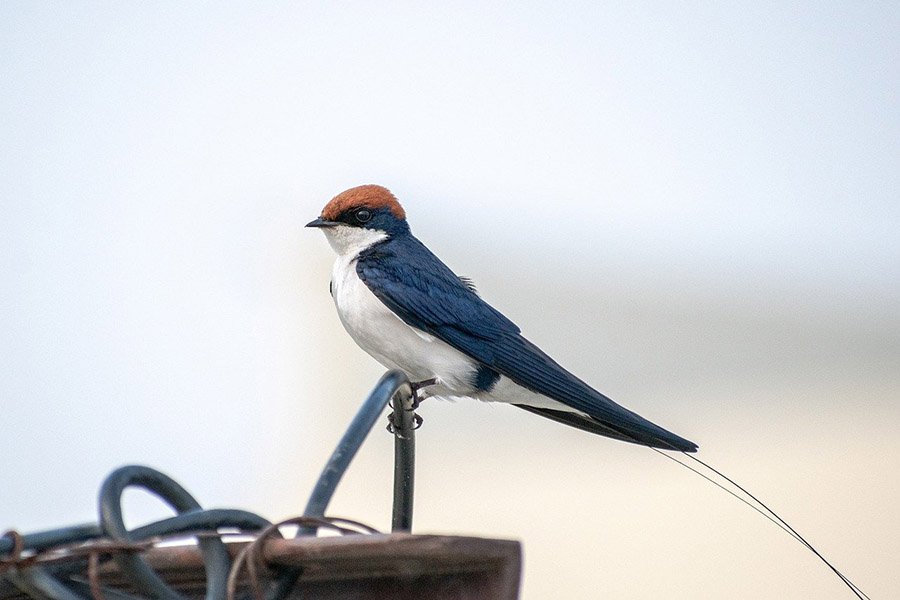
x,y
693,208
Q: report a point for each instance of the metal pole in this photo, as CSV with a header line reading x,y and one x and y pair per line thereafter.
x,y
404,426
353,438
390,384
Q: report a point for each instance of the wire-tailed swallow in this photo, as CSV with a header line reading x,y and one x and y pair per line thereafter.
x,y
409,311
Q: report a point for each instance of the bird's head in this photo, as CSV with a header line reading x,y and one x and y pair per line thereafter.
x,y
359,217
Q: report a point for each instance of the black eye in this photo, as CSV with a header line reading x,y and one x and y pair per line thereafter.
x,y
362,215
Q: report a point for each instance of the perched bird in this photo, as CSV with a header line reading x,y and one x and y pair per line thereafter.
x,y
409,311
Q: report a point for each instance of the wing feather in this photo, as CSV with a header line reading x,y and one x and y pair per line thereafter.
x,y
427,295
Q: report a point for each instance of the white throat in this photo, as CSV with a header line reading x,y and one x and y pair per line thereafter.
x,y
350,241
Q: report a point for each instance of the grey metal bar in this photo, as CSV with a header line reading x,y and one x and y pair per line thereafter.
x,y
404,426
340,459
350,443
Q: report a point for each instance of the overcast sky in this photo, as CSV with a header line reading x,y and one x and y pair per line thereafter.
x,y
694,206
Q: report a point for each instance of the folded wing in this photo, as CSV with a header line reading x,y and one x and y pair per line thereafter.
x,y
427,295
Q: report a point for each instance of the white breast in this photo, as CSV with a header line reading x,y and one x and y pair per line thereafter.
x,y
395,344
392,342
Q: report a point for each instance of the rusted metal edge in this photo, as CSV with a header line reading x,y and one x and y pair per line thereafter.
x,y
338,558
393,555
341,556
351,556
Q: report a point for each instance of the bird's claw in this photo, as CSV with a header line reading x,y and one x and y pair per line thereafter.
x,y
415,386
392,425
418,385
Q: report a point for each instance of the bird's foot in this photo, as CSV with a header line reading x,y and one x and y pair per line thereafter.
x,y
416,400
392,425
418,385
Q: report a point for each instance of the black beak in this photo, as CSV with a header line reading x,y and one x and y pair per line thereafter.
x,y
320,222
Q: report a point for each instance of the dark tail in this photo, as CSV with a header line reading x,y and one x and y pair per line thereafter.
x,y
653,436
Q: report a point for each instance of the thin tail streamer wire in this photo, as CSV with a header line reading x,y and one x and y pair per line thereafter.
x,y
759,506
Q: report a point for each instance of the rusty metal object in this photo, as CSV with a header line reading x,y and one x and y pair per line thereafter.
x,y
374,566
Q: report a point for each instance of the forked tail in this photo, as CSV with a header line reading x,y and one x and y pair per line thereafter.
x,y
760,507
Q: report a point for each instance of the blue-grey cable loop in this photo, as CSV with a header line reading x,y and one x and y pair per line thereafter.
x,y
83,545
50,565
215,556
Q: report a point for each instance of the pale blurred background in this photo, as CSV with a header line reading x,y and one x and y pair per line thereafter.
x,y
693,206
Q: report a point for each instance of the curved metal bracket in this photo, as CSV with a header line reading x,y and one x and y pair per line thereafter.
x,y
393,383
